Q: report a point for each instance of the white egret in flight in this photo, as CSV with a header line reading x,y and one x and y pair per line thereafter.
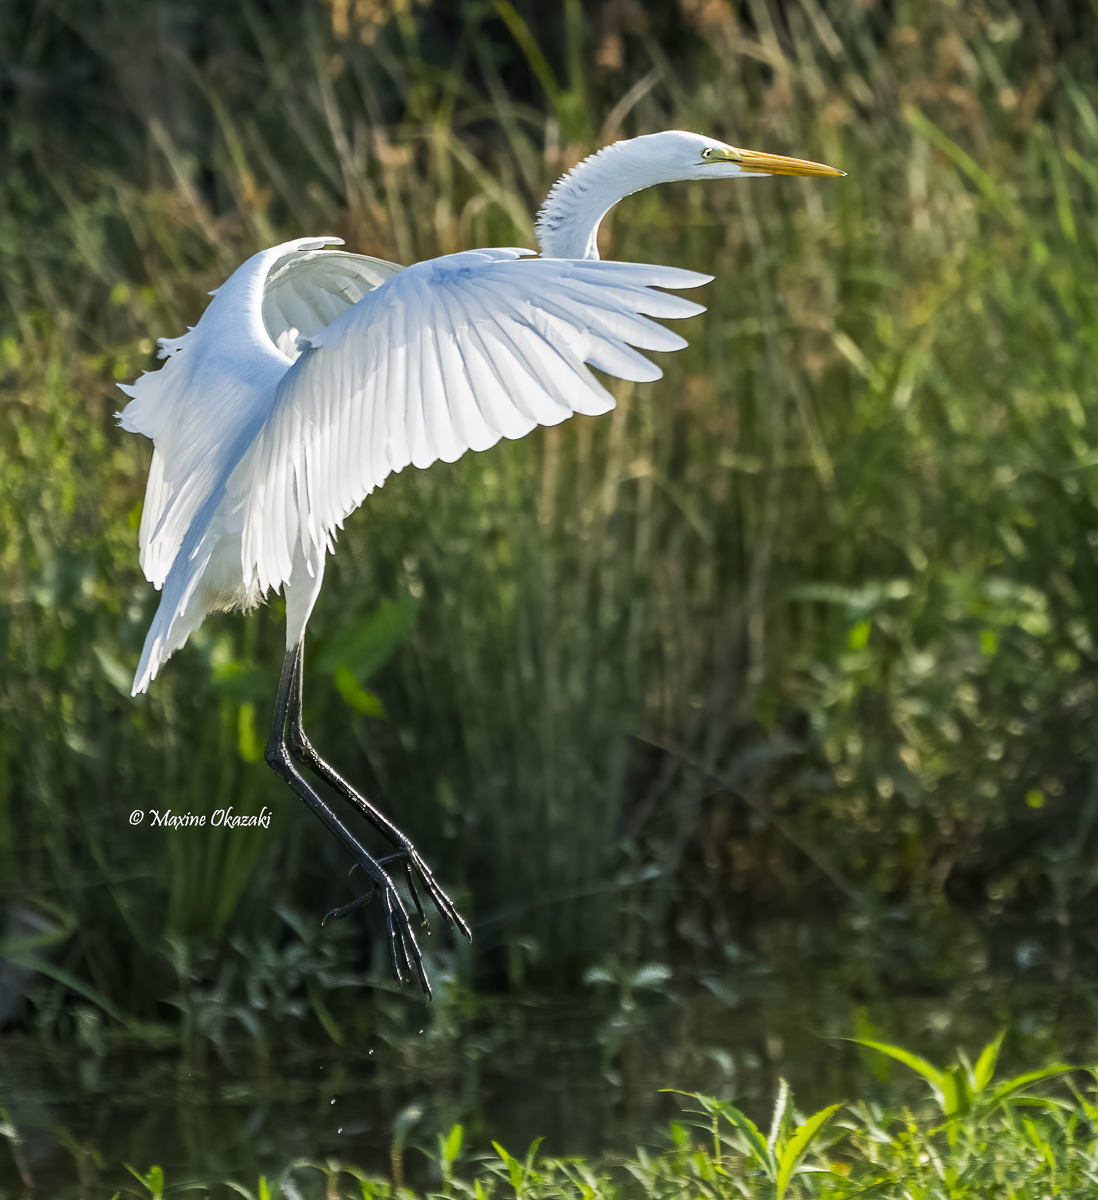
x,y
314,373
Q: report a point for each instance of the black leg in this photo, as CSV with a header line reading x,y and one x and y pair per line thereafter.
x,y
413,865
403,948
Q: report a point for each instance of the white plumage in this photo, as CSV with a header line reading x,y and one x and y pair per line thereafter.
x,y
307,381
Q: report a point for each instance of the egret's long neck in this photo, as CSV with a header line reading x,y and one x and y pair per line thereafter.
x,y
568,223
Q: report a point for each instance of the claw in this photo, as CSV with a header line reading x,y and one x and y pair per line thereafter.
x,y
446,908
340,913
391,934
441,901
415,895
404,856
409,961
404,952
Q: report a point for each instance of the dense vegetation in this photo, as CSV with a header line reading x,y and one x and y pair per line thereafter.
x,y
790,660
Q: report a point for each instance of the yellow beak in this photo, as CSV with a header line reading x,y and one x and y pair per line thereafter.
x,y
777,164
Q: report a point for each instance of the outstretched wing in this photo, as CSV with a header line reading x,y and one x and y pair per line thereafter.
x,y
450,355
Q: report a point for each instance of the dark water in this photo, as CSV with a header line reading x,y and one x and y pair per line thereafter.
x,y
510,1072
585,1073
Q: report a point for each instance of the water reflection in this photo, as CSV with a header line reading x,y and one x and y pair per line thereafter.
x,y
586,1073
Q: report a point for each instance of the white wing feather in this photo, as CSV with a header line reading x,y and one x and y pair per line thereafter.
x,y
450,355
258,458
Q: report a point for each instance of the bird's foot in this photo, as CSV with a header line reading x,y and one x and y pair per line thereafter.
x,y
414,865
404,952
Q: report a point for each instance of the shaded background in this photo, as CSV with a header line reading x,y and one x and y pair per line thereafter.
x,y
763,706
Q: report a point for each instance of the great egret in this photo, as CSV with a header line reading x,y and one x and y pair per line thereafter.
x,y
314,373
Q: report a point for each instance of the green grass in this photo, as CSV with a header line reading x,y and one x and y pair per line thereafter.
x,y
839,565
974,1134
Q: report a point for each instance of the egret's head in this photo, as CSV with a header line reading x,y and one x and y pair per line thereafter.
x,y
677,154
567,225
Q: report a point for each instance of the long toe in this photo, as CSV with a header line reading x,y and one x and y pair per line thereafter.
x,y
446,907
340,913
407,959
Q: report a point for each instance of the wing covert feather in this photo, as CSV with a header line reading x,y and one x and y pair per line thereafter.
x,y
446,356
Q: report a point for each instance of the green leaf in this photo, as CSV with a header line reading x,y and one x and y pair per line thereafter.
x,y
1090,1110
919,1065
323,1012
451,1147
402,1126
750,1131
358,698
1006,1090
985,1064
153,1182
117,675
514,1167
777,1122
50,935
968,166
531,1154
798,1146
369,644
136,1174
539,64
651,975
250,744
1046,1102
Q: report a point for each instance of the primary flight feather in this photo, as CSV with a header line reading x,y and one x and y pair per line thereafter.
x,y
314,373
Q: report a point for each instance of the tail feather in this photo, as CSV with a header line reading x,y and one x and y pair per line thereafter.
x,y
181,611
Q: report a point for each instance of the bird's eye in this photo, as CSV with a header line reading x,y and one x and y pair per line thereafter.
x,y
707,152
